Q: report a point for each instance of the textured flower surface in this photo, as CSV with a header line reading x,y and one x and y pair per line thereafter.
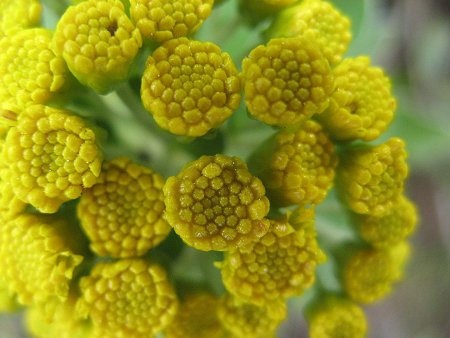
x,y
18,14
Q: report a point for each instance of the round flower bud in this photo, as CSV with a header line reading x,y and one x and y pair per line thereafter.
x,y
296,166
162,20
251,321
337,317
127,298
37,257
257,10
329,26
390,229
215,203
197,318
98,42
286,81
190,87
280,265
371,178
362,106
122,213
52,156
10,205
16,15
31,72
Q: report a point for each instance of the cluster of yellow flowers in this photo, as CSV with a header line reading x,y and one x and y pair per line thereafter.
x,y
86,247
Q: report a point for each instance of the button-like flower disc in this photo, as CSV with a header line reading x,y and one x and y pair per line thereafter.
x,y
18,14
30,71
52,156
190,87
122,212
162,20
127,298
362,106
98,42
215,203
286,81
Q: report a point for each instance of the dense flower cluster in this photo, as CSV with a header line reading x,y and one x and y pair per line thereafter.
x,y
120,122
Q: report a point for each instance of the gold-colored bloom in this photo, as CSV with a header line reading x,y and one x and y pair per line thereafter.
x,y
51,157
330,28
362,105
215,203
98,42
371,178
286,81
8,299
296,166
18,14
190,87
122,212
162,20
337,317
127,298
30,71
37,255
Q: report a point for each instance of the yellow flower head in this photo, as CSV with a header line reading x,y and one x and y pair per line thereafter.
x,y
297,166
371,178
122,212
8,298
197,318
37,257
98,42
190,87
215,203
279,265
337,317
52,156
286,81
18,14
390,229
127,298
162,20
330,27
369,274
30,71
256,10
249,320
362,106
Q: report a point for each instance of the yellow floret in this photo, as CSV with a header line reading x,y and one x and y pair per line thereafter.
x,y
37,257
330,27
18,14
162,20
197,318
215,203
362,105
388,230
51,157
286,81
190,87
122,212
30,72
371,178
296,166
98,42
335,317
127,298
8,299
281,264
251,321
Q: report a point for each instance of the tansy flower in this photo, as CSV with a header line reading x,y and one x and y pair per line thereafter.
x,y
215,203
51,157
127,298
296,166
286,81
122,212
371,178
8,299
362,105
98,42
190,87
256,10
330,28
162,20
18,14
